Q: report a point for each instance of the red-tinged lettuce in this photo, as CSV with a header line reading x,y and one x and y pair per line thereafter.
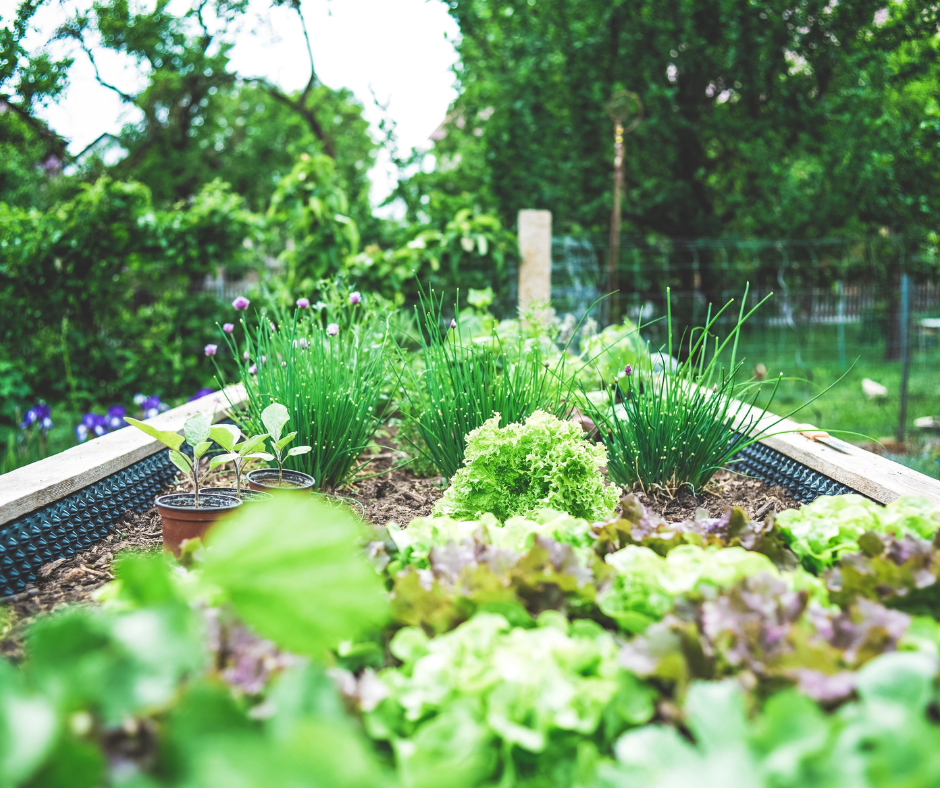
x,y
522,468
771,635
639,525
463,578
830,527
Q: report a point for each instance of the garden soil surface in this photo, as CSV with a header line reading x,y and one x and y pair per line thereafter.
x,y
396,496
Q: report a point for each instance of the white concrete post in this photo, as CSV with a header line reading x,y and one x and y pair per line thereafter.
x,y
535,249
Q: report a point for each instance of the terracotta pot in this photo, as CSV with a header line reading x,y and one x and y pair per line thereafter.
x,y
266,480
182,520
248,495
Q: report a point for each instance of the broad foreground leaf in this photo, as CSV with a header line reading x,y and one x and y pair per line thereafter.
x,y
293,571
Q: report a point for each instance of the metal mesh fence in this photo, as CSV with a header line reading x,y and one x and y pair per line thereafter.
x,y
835,303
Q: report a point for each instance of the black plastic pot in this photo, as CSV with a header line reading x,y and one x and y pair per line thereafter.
x,y
182,519
247,495
266,480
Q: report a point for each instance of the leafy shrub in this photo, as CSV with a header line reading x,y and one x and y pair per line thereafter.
x,y
520,468
96,291
821,532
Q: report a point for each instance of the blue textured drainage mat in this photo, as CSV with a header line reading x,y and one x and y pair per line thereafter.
x,y
77,521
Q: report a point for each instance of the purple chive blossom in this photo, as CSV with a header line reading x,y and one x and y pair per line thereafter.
x,y
332,329
228,328
355,297
253,369
628,370
241,303
453,323
245,355
211,350
303,303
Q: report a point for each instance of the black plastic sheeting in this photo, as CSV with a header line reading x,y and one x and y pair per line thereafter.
x,y
79,520
777,469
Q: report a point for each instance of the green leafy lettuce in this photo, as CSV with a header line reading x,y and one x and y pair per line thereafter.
x,y
821,532
521,468
506,699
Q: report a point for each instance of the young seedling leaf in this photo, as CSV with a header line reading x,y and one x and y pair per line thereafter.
x,y
165,437
225,435
201,448
196,428
260,455
251,444
298,450
279,446
274,417
221,459
181,461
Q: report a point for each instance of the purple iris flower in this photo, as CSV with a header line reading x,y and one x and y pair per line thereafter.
x,y
241,303
151,406
228,328
332,329
200,394
303,303
116,414
81,433
355,297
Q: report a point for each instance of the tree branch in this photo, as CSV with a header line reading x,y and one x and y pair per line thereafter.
x,y
126,96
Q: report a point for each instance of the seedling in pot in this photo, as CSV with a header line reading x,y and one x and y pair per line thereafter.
x,y
195,433
275,417
227,435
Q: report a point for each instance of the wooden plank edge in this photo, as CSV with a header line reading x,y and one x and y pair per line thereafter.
x,y
40,483
878,478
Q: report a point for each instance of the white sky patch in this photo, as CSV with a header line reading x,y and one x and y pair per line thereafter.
x,y
400,49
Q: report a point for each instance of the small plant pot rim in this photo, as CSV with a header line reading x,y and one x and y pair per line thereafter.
x,y
260,479
180,519
247,495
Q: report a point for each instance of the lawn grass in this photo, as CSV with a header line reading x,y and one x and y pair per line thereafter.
x,y
845,406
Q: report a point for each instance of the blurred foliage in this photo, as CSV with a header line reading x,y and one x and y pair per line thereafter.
x,y
97,290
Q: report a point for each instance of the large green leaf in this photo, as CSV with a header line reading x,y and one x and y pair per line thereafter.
x,y
196,428
226,435
294,571
274,417
165,437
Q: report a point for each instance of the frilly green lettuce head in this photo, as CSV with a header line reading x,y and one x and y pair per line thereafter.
x,y
829,527
523,468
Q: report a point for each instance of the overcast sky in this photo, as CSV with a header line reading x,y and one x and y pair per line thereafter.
x,y
400,49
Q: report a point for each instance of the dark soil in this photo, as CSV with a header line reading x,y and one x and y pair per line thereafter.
x,y
397,496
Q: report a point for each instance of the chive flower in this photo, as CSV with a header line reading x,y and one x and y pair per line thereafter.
x,y
245,355
241,303
228,328
332,329
253,369
453,323
355,297
303,303
628,370
211,350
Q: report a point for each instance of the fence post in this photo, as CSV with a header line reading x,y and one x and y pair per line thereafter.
x,y
535,249
905,353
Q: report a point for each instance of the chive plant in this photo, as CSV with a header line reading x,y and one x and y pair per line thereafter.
x,y
673,428
460,385
330,379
